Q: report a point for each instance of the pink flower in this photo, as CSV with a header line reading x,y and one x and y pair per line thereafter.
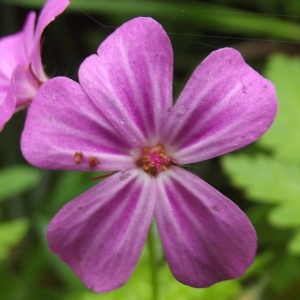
x,y
21,69
121,118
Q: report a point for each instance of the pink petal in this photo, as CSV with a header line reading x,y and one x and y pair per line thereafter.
x,y
14,51
131,79
22,88
7,107
26,86
51,9
205,236
64,130
101,233
224,106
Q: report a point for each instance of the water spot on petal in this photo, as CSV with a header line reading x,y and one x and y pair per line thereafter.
x,y
124,175
54,96
181,109
215,208
79,257
244,89
122,121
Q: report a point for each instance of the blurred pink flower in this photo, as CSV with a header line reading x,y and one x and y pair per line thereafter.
x,y
21,69
121,118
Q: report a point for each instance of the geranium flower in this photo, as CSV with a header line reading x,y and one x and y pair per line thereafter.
x,y
21,69
121,118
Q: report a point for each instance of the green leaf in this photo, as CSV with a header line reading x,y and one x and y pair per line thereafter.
x,y
283,136
17,179
264,178
286,215
294,244
10,235
284,274
261,262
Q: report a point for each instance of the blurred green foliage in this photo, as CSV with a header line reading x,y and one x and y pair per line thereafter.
x,y
10,234
271,173
17,179
263,178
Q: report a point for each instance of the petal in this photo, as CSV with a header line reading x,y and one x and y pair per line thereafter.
x,y
7,107
205,236
131,79
14,51
101,233
22,88
51,9
224,106
64,130
26,86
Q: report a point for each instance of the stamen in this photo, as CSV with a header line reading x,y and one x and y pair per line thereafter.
x,y
154,160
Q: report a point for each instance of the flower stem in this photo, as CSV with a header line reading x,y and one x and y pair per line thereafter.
x,y
153,262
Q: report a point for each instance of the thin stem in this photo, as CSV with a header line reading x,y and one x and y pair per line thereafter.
x,y
153,262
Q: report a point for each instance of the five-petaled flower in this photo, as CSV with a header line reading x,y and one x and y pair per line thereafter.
x,y
21,69
121,118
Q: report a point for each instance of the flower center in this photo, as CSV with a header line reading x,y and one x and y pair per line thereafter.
x,y
154,160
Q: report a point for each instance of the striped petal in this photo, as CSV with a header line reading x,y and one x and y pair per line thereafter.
x,y
130,79
14,51
224,106
64,130
22,88
205,236
25,85
101,233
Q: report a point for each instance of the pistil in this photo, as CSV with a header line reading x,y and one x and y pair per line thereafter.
x,y
154,160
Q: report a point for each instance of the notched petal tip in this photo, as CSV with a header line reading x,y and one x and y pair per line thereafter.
x,y
205,236
101,238
228,105
132,85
